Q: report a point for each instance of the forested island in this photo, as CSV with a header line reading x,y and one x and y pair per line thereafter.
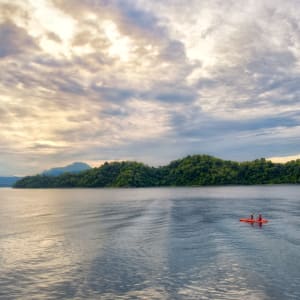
x,y
196,170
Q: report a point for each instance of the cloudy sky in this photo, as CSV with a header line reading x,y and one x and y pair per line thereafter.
x,y
147,80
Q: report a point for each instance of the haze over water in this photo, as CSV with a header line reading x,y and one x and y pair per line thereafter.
x,y
162,243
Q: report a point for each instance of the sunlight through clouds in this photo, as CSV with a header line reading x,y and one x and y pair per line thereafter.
x,y
99,80
47,18
120,46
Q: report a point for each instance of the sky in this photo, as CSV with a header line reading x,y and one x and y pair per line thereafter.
x,y
147,80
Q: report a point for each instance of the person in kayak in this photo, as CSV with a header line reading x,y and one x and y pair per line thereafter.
x,y
251,217
259,218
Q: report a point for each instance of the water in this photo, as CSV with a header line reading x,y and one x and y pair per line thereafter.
x,y
164,243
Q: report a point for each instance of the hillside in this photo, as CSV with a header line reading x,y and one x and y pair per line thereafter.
x,y
196,170
72,168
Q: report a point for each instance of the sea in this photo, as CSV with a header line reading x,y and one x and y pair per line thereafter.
x,y
150,243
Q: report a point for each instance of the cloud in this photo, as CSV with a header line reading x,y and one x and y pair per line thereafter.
x,y
147,80
14,40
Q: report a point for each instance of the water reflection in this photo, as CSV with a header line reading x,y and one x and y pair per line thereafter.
x,y
149,244
34,248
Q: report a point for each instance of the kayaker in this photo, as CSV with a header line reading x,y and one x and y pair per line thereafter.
x,y
251,217
259,218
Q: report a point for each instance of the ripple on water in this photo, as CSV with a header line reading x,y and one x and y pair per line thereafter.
x,y
149,244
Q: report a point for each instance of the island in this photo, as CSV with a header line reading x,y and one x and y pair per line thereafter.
x,y
195,170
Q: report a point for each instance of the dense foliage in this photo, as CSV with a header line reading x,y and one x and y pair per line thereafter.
x,y
193,170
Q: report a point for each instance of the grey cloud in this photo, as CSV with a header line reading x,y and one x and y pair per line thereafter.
x,y
23,72
136,16
14,40
54,37
68,85
211,134
39,146
173,94
163,92
253,52
9,10
120,111
82,38
52,63
268,77
91,35
271,62
174,51
114,94
54,75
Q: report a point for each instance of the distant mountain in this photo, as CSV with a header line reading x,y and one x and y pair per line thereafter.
x,y
72,168
8,181
196,170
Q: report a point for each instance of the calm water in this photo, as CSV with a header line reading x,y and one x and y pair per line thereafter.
x,y
168,243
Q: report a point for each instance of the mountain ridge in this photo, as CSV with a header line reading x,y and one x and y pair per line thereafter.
x,y
74,167
7,181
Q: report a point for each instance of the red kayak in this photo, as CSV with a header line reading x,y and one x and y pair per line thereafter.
x,y
254,221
